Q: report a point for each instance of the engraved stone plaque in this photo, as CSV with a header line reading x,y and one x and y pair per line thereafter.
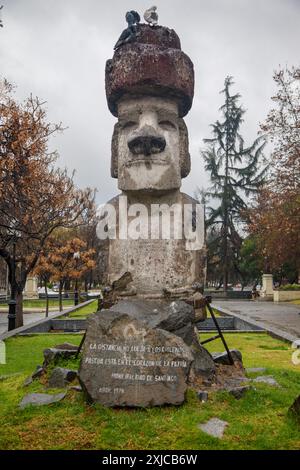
x,y
126,363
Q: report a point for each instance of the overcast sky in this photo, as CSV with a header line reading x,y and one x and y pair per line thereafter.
x,y
56,49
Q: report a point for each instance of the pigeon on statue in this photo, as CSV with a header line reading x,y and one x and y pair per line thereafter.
x,y
132,17
151,16
129,34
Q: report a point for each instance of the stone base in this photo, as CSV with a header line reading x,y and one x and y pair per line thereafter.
x,y
30,296
143,353
266,298
126,363
267,292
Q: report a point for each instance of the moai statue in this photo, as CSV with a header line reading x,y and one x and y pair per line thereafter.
x,y
158,235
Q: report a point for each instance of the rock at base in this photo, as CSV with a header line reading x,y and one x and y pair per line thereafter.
x,y
222,358
39,399
202,395
267,379
295,409
60,377
239,392
127,363
255,370
28,381
214,427
39,371
53,355
203,365
178,318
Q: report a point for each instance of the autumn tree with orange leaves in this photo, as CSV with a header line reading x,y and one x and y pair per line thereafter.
x,y
60,263
36,197
274,221
44,270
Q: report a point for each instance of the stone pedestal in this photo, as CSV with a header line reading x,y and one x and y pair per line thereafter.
x,y
31,288
158,263
142,353
267,291
127,364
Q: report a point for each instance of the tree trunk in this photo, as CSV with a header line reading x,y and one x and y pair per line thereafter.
x,y
91,280
60,296
225,240
19,308
47,299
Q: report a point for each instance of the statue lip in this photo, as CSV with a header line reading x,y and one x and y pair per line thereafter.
x,y
158,160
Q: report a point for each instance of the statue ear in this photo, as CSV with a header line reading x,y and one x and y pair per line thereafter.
x,y
185,159
114,151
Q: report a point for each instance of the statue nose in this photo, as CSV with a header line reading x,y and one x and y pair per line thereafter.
x,y
147,142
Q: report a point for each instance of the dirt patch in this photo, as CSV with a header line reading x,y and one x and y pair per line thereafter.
x,y
226,377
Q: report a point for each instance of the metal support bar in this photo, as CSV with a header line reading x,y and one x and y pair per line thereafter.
x,y
220,335
80,346
210,339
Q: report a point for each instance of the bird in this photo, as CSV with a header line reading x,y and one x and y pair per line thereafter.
x,y
129,34
151,16
132,17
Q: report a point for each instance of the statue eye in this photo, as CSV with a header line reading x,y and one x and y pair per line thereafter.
x,y
128,125
168,125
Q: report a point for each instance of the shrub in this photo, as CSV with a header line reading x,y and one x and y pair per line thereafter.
x,y
290,287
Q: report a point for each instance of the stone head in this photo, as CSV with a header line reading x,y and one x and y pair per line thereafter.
x,y
149,87
149,145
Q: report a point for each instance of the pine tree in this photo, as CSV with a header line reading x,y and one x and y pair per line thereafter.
x,y
235,173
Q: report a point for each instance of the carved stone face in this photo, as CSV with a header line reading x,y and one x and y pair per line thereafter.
x,y
150,145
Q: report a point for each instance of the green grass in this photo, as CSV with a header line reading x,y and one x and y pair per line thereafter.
x,y
258,421
24,353
83,312
296,302
41,303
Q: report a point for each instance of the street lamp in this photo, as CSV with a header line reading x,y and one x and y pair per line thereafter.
x,y
76,257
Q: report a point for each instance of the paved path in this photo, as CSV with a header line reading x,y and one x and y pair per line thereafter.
x,y
28,318
282,317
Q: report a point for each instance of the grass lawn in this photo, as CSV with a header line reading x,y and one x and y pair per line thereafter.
x,y
41,303
83,312
296,302
258,421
